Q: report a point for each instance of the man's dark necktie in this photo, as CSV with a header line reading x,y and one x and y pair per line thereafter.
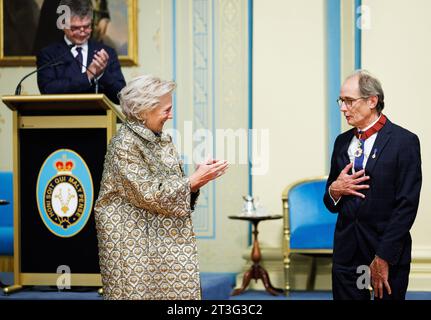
x,y
79,57
359,155
359,161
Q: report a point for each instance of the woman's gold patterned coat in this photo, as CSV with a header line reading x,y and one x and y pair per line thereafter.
x,y
147,247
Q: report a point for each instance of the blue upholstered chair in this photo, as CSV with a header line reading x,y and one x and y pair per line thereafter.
x,y
308,225
6,214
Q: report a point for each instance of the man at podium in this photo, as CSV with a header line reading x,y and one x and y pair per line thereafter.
x,y
77,64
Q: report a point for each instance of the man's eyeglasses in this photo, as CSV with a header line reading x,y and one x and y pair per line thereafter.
x,y
348,101
79,28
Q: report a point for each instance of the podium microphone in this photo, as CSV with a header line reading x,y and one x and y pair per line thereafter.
x,y
96,81
51,63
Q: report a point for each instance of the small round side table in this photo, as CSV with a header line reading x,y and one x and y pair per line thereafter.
x,y
256,271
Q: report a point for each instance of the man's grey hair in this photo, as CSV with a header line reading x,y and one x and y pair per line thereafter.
x,y
370,86
79,8
142,94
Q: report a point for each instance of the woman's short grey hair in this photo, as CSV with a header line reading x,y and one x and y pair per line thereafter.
x,y
79,8
370,86
142,94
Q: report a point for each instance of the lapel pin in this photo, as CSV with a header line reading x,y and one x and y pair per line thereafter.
x,y
374,154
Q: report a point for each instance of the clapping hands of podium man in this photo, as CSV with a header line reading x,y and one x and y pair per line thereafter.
x,y
98,64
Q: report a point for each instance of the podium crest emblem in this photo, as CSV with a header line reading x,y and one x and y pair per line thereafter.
x,y
64,193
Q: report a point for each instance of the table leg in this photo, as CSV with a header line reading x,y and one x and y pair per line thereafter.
x,y
267,283
256,271
248,275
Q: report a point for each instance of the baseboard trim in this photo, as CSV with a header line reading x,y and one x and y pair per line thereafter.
x,y
420,269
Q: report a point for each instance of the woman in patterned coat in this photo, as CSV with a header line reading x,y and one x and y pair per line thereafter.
x,y
147,247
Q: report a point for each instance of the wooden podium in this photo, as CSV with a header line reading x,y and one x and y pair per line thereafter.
x,y
59,145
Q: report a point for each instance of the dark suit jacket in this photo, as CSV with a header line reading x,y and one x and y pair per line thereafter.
x,y
380,224
67,77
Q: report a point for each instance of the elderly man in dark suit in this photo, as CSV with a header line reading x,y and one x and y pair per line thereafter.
x,y
374,185
78,63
